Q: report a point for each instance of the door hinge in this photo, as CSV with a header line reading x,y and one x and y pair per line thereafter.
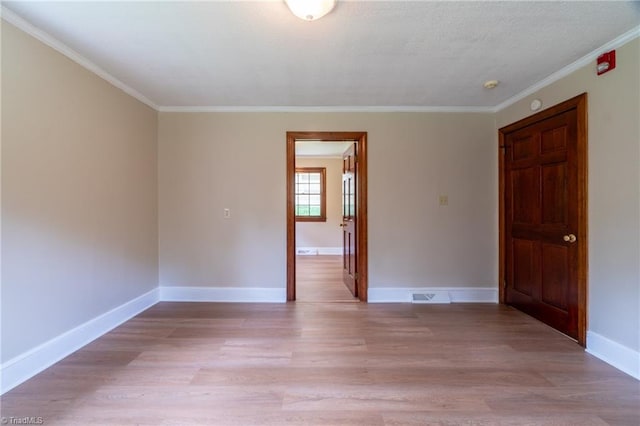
x,y
355,276
504,283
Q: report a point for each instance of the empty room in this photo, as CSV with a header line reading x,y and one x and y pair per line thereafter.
x,y
327,212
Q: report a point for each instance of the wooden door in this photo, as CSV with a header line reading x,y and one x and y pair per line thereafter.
x,y
349,225
544,221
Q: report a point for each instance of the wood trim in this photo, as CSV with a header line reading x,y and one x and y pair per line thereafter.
x,y
361,213
583,230
362,219
291,217
579,103
323,194
501,219
565,106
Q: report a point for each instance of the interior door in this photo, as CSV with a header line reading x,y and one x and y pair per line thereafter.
x,y
349,225
541,220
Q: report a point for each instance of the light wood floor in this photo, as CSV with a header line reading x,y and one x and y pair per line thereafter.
x,y
319,279
329,364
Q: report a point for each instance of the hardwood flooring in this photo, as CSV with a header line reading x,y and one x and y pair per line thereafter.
x,y
329,364
319,279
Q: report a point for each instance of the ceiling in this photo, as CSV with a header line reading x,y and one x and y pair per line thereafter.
x,y
364,54
333,149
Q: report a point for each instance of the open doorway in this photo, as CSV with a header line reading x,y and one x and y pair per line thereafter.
x,y
319,204
348,261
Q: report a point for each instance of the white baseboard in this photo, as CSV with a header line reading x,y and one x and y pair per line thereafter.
x,y
621,357
26,365
322,251
457,294
223,294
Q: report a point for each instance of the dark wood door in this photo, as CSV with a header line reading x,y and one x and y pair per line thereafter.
x,y
541,190
349,225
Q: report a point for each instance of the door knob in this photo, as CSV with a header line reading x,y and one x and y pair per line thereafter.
x,y
570,238
342,224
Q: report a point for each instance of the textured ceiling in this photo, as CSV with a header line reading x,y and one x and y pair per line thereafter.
x,y
363,54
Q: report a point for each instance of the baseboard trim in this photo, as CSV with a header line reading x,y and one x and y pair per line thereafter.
x,y
24,366
321,251
223,294
621,357
457,294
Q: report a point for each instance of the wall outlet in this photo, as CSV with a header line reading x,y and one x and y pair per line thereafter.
x,y
227,213
444,200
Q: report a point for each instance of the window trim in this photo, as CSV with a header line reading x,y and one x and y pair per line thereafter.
x,y
323,194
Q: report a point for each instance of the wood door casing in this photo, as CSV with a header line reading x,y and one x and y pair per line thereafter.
x,y
361,211
542,200
349,219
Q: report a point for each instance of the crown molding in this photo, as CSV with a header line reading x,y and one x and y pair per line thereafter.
x,y
585,60
335,108
57,45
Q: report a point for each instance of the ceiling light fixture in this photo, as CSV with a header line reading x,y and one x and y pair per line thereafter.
x,y
310,10
490,84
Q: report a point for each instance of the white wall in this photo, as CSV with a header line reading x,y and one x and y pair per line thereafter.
x,y
324,234
79,195
212,161
614,189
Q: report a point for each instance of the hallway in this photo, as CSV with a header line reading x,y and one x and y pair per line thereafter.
x,y
319,279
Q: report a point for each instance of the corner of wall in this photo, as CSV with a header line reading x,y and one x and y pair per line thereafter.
x,y
21,368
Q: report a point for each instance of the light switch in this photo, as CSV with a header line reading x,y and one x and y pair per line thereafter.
x,y
227,213
444,200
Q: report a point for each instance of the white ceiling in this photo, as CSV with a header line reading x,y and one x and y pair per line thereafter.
x,y
321,149
239,54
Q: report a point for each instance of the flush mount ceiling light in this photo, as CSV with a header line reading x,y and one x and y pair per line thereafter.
x,y
491,84
310,10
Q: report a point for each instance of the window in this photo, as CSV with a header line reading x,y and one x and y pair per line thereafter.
x,y
310,194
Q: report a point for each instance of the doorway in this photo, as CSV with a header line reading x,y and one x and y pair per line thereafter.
x,y
543,216
354,247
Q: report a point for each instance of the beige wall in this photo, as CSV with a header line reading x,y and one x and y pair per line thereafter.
x,y
329,233
81,215
79,195
212,161
614,188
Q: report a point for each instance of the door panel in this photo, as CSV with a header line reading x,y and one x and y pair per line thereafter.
x,y
540,189
525,204
554,274
523,267
523,148
554,140
554,194
349,235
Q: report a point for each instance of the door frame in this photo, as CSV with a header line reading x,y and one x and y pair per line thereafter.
x,y
361,208
579,103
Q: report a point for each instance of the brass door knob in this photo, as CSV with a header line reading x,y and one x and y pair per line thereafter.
x,y
570,238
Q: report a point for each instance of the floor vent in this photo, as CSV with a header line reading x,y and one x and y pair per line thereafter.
x,y
431,297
